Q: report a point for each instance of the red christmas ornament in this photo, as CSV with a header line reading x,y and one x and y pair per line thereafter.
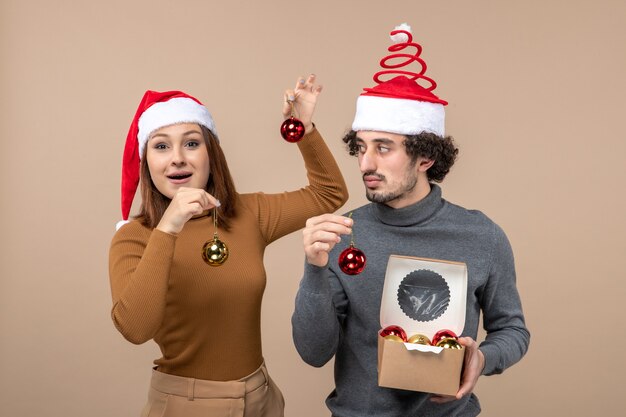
x,y
443,334
352,260
292,130
395,331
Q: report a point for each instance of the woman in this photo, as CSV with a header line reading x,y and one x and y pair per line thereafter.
x,y
205,319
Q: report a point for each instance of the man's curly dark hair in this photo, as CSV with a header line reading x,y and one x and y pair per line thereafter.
x,y
440,149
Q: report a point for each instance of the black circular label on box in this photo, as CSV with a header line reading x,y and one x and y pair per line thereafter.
x,y
423,295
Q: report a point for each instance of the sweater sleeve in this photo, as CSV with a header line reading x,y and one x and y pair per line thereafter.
x,y
320,307
283,213
507,337
139,268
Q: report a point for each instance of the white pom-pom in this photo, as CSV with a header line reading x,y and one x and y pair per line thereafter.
x,y
401,37
120,224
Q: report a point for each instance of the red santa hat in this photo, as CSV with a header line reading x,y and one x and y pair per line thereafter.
x,y
155,111
401,105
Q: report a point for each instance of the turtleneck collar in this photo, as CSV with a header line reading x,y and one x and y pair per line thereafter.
x,y
410,215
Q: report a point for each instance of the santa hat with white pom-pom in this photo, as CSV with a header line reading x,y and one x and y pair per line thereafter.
x,y
156,110
401,104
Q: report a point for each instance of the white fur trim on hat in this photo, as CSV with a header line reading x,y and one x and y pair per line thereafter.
x,y
401,116
174,111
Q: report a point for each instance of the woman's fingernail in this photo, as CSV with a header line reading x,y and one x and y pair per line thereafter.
x,y
291,98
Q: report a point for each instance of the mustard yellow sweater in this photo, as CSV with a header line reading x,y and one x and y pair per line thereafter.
x,y
206,320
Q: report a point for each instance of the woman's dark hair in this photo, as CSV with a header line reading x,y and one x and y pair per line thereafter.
x,y
220,185
426,145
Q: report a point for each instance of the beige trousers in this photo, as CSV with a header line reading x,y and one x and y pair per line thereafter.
x,y
253,396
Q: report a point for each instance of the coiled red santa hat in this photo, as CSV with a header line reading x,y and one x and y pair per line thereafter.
x,y
401,104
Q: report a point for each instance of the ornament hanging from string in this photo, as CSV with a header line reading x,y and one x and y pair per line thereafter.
x,y
214,252
352,260
292,129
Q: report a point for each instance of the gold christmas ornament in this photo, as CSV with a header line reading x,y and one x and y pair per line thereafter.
x,y
419,339
214,252
449,343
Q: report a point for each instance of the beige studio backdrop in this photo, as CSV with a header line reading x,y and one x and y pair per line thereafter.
x,y
536,105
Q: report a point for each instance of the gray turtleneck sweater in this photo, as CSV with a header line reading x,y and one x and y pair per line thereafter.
x,y
339,315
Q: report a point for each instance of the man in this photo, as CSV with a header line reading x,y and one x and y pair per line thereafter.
x,y
402,150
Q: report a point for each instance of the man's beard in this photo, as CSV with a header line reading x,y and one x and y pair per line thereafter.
x,y
407,185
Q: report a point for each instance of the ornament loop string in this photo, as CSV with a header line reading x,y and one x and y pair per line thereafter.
x,y
215,220
292,109
351,232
